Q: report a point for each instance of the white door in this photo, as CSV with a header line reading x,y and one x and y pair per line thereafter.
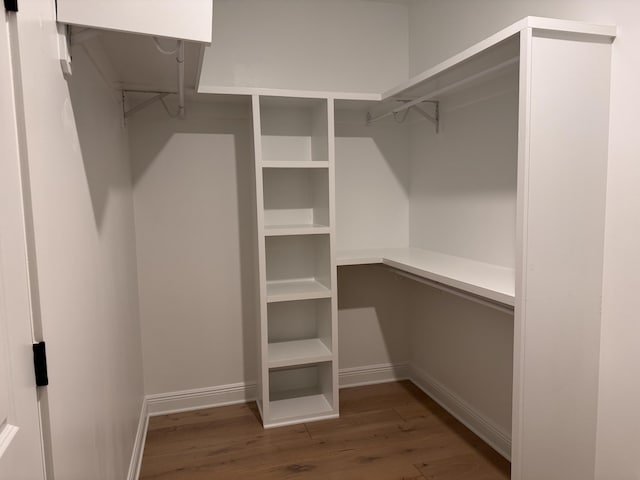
x,y
21,456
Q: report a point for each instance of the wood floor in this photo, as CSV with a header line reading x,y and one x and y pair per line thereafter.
x,y
387,431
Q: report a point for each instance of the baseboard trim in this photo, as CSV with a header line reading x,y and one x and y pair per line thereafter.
x,y
372,374
138,444
198,398
499,440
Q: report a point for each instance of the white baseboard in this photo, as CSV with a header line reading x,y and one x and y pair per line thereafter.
x,y
198,398
465,413
138,444
371,374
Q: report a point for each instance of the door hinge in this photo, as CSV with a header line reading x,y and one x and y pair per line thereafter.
x,y
11,5
40,364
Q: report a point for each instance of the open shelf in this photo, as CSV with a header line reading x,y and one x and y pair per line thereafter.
x,y
290,290
295,164
302,229
298,267
295,197
294,130
298,352
304,392
308,407
299,332
483,279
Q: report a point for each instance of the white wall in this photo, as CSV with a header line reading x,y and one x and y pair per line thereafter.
x,y
372,211
464,348
463,179
339,45
372,183
85,291
373,308
431,23
193,194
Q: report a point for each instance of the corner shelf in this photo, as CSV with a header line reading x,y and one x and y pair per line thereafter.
x,y
301,393
492,282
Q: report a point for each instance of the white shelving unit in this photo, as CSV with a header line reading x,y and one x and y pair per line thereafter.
x,y
560,71
294,160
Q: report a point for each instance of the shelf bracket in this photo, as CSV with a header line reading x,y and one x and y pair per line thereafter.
x,y
159,96
407,105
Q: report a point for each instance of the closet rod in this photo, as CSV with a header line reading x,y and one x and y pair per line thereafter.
x,y
160,95
460,83
508,309
180,60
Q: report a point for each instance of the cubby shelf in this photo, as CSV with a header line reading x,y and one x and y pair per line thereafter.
x,y
296,164
286,230
483,279
289,290
298,352
307,407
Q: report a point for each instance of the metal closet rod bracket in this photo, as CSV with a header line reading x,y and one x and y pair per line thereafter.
x,y
407,105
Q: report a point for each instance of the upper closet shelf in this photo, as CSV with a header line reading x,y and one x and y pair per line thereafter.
x,y
291,93
482,279
190,20
487,58
491,58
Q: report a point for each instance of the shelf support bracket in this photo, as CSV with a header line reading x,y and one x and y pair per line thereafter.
x,y
408,104
435,118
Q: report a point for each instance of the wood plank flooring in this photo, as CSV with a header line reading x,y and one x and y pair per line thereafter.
x,y
387,431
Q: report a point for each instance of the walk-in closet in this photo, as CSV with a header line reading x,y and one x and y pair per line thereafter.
x,y
318,239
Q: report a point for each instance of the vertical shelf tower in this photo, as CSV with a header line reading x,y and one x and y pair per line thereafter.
x,y
297,338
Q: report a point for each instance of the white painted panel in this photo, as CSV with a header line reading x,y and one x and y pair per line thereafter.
x,y
563,221
334,45
21,445
187,19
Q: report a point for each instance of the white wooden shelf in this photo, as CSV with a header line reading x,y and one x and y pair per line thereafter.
x,y
289,290
307,407
296,164
298,352
278,92
483,279
285,230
